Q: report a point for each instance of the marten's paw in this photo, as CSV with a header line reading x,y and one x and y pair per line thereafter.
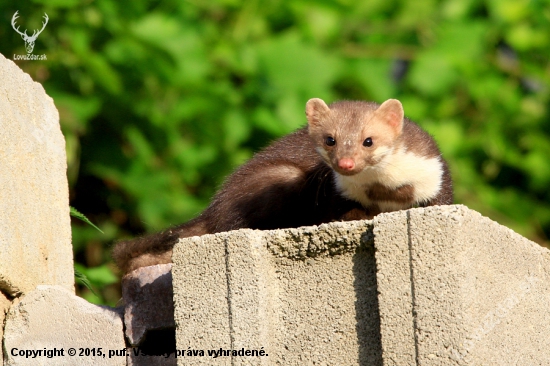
x,y
356,214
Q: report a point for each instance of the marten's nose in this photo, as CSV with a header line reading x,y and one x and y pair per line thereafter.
x,y
346,164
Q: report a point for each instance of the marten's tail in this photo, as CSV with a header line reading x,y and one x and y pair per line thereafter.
x,y
155,248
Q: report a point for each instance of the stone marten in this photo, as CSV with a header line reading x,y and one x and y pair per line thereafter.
x,y
354,160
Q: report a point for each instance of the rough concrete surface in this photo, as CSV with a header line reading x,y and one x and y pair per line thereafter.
x,y
34,197
326,303
394,284
303,296
201,310
479,292
51,317
250,295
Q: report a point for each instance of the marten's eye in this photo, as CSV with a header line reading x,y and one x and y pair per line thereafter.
x,y
367,142
330,141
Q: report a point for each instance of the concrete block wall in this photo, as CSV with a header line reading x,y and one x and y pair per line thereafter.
x,y
457,288
428,286
39,312
35,231
303,295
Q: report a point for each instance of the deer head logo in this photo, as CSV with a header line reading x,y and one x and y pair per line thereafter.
x,y
29,40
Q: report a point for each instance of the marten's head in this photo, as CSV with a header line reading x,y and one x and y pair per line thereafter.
x,y
354,135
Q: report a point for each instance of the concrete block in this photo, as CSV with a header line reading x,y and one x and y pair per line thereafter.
x,y
303,296
51,318
34,198
252,296
326,304
201,308
395,287
478,292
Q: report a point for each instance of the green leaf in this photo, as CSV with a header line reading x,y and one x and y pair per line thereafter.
x,y
83,280
78,215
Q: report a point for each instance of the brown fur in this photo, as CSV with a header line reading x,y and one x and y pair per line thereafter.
x,y
379,192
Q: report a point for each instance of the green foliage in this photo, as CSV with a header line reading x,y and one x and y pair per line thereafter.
x,y
159,101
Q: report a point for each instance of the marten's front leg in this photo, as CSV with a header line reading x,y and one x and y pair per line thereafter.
x,y
361,213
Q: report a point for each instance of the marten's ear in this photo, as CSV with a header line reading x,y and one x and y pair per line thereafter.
x,y
391,112
315,109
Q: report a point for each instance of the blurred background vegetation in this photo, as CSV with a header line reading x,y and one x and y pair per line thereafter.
x,y
160,100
